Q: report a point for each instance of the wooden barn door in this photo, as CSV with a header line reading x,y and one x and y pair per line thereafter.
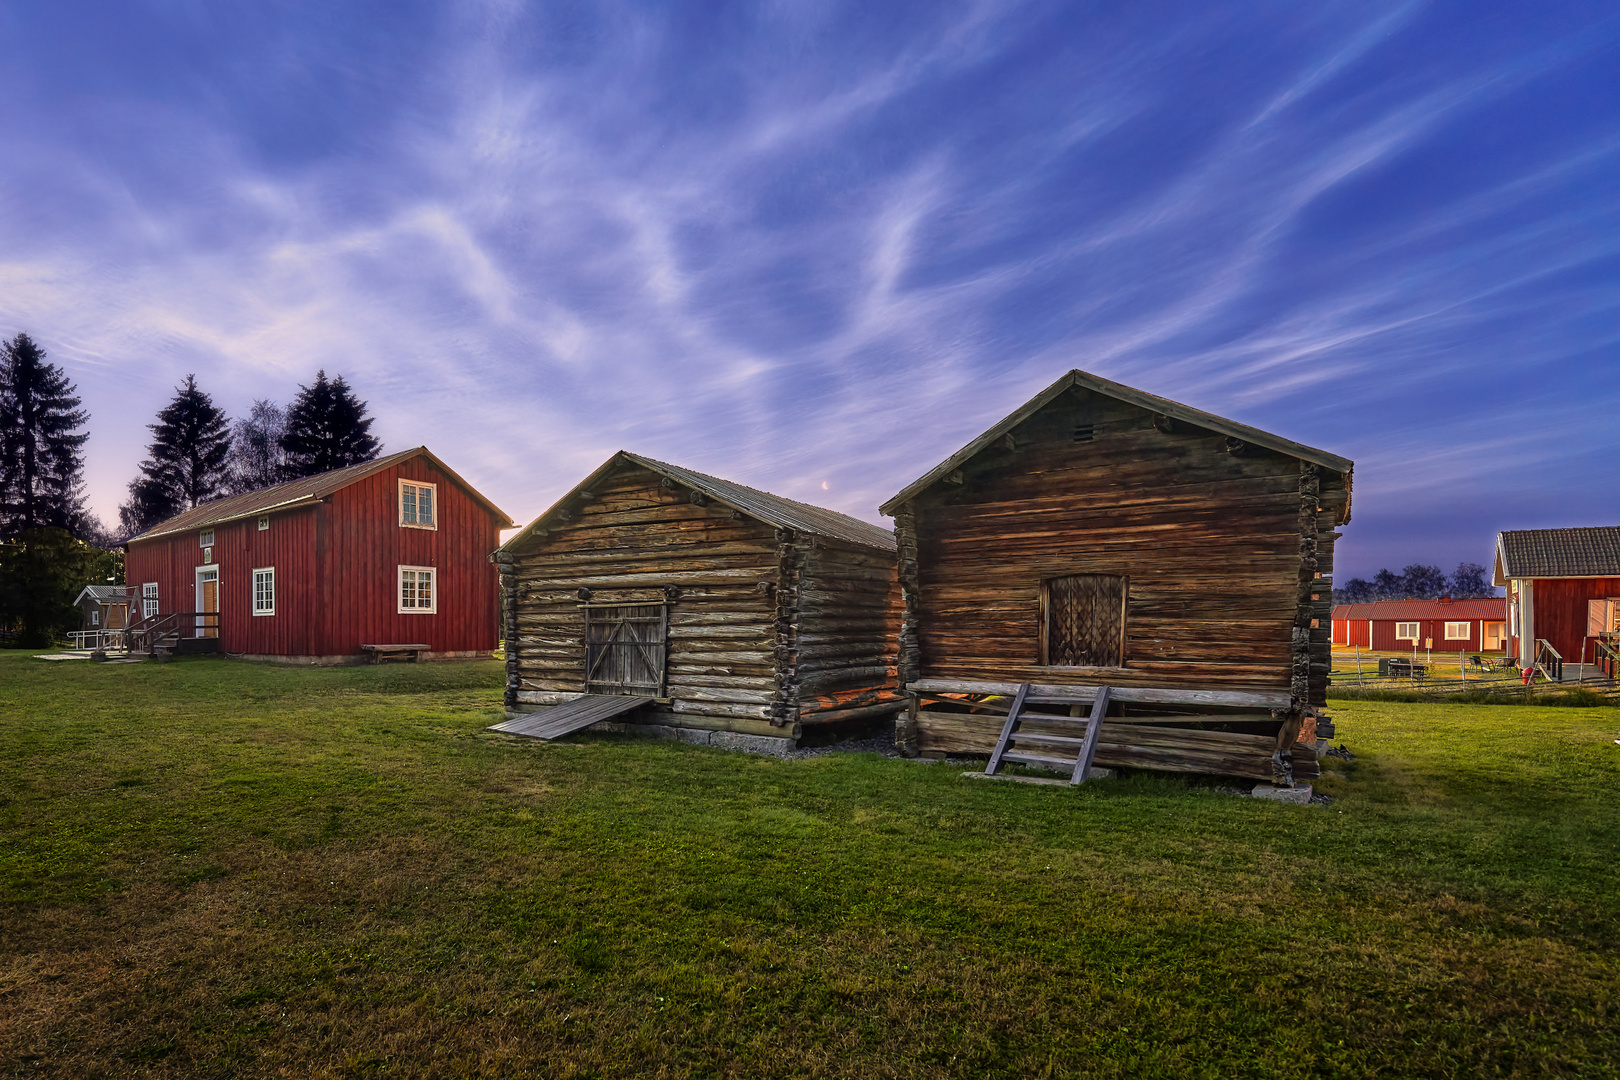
x,y
625,648
1083,621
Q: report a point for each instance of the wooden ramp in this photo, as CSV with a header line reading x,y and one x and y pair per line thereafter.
x,y
571,716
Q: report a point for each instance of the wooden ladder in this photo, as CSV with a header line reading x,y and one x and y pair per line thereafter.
x,y
1083,747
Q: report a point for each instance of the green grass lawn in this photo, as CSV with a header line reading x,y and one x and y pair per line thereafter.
x,y
213,868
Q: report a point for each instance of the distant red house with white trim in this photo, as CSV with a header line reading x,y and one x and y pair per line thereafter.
x,y
390,552
1443,625
1563,588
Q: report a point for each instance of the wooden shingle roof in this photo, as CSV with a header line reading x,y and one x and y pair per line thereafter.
x,y
1141,399
1558,553
311,489
760,505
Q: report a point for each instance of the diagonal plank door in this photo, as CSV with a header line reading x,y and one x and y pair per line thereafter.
x,y
625,648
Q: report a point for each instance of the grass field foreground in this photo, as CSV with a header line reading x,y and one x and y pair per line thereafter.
x,y
213,868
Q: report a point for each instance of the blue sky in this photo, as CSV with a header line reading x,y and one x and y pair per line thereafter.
x,y
817,247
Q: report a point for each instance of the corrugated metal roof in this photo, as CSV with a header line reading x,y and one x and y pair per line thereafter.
x,y
107,592
1131,396
298,493
1559,553
759,505
1456,610
104,594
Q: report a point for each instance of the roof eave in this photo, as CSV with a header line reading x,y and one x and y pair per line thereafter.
x,y
1139,398
539,523
625,456
291,504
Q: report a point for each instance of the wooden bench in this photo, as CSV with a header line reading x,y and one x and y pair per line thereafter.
x,y
378,653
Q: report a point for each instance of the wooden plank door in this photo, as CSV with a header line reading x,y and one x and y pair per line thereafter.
x,y
625,647
207,602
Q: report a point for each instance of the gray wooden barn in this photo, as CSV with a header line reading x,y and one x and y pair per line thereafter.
x,y
656,595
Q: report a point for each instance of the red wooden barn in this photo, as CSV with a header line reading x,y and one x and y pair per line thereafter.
x,y
391,552
1443,625
1563,589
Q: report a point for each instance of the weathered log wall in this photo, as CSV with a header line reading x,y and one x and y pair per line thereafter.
x,y
638,539
844,661
1221,542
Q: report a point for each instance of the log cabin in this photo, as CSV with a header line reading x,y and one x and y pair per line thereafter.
x,y
1100,536
330,569
698,604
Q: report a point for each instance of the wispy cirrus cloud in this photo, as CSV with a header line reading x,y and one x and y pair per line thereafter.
x,y
818,249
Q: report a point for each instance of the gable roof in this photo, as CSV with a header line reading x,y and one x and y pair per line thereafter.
x,y
1558,553
104,594
760,505
1456,610
1119,392
305,492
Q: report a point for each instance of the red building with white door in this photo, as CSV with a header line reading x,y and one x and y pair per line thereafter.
x,y
1563,590
390,552
1443,625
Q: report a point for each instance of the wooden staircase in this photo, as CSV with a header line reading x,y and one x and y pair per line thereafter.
x,y
1076,750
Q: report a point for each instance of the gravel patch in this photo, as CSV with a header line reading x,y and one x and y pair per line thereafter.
x,y
881,743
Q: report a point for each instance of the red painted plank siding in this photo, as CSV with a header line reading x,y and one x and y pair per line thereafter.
x,y
336,569
1560,612
1352,632
1384,640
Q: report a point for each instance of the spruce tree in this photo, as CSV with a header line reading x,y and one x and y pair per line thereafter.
x,y
327,428
185,466
41,464
256,454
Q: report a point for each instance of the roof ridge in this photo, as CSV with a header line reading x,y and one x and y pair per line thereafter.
x,y
762,491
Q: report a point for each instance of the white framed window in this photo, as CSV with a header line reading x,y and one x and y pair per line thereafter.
x,y
1406,631
205,538
264,522
1458,631
418,590
418,505
95,616
149,599
264,590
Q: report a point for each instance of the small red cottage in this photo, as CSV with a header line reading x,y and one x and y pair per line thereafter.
x,y
390,552
1443,625
1563,593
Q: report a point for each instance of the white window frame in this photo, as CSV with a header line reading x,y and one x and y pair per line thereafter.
x,y
264,522
417,488
1407,631
265,574
1459,631
149,599
415,608
205,538
95,616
